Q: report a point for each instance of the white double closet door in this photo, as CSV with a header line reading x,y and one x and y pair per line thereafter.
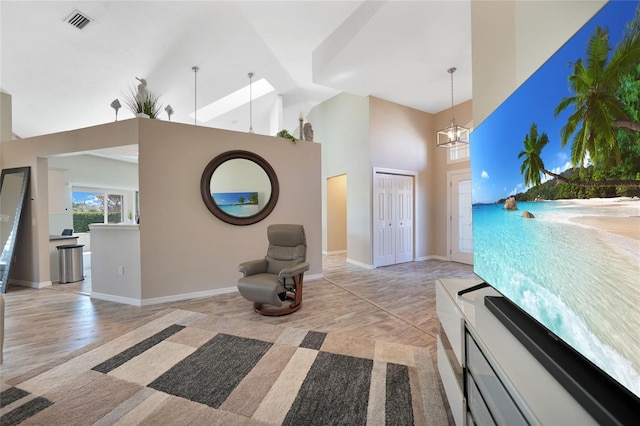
x,y
393,202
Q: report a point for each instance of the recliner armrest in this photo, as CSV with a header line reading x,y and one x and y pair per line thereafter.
x,y
252,267
294,270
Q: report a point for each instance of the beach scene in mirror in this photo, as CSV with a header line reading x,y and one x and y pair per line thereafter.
x,y
238,204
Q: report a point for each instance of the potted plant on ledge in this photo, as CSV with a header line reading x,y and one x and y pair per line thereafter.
x,y
142,102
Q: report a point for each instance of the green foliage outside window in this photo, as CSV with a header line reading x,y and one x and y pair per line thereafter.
x,y
81,220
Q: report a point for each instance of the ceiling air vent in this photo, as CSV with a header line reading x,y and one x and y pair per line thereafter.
x,y
78,20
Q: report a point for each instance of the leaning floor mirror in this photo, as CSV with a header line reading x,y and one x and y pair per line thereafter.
x,y
14,184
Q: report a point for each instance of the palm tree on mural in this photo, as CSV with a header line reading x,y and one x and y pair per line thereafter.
x,y
533,166
597,109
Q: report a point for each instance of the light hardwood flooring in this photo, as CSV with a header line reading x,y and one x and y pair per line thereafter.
x,y
394,303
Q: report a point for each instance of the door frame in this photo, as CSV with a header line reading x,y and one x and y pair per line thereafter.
x,y
385,170
450,175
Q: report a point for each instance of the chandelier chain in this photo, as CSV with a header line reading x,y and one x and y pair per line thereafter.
x,y
451,71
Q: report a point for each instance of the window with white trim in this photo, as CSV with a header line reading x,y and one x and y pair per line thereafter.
x,y
458,153
93,205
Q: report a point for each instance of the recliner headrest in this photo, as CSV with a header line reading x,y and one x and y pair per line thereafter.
x,y
286,235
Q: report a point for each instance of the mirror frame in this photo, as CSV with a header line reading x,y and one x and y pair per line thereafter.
x,y
205,187
22,201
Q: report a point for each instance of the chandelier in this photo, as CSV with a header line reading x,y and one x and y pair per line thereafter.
x,y
454,134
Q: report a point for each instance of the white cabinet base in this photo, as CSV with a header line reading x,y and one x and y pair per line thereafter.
x,y
524,382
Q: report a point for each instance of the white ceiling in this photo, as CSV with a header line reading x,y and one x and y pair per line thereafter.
x,y
63,78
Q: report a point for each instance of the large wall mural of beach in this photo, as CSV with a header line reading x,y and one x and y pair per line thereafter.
x,y
565,147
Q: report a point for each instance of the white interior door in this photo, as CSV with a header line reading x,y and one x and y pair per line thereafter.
x,y
383,237
404,221
393,219
461,229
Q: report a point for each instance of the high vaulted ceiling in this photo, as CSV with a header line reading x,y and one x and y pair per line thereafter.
x,y
62,78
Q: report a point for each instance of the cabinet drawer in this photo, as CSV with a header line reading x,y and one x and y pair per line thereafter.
x,y
479,411
497,399
451,382
451,321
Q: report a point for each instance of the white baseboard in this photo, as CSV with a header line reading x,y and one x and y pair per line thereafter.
x,y
312,277
163,299
360,264
188,296
436,257
30,284
432,257
326,253
116,299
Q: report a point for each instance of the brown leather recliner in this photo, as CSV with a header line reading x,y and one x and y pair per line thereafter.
x,y
274,283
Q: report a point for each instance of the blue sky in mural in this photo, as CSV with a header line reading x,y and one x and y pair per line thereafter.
x,y
496,142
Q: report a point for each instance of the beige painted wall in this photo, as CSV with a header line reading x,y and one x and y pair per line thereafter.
x,y
509,44
397,138
184,248
400,139
403,138
439,168
336,214
341,124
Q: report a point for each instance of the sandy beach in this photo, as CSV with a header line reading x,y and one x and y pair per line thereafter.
x,y
626,226
619,216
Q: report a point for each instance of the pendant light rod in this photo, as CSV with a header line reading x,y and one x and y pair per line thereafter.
x,y
250,104
195,94
451,71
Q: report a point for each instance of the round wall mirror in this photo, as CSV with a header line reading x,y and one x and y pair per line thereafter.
x,y
239,187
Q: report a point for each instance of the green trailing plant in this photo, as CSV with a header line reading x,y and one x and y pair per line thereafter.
x,y
285,134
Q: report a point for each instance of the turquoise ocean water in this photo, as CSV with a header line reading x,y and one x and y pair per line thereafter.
x,y
240,210
581,283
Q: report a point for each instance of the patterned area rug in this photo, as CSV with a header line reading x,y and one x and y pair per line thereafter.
x,y
192,368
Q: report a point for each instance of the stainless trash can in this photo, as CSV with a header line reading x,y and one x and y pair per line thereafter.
x,y
70,263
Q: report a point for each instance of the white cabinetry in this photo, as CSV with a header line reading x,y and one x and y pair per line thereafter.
x,y
59,192
489,377
60,200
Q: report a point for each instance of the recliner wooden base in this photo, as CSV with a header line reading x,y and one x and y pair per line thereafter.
x,y
296,301
276,312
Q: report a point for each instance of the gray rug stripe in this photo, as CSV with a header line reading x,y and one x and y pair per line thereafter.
x,y
313,340
398,405
25,411
124,356
11,395
214,370
335,392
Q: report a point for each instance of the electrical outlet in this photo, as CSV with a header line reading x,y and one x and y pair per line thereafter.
x,y
120,270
